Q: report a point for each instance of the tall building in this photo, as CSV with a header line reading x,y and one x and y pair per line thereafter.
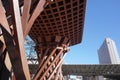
x,y
108,52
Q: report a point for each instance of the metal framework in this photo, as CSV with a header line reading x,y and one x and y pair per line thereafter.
x,y
53,25
92,70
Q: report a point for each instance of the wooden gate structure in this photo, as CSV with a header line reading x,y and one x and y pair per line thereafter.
x,y
53,25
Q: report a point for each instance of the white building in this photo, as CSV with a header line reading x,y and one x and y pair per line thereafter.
x,y
108,52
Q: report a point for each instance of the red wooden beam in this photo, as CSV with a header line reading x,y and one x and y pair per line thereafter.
x,y
25,14
3,19
58,55
19,38
41,68
39,8
57,67
58,73
14,55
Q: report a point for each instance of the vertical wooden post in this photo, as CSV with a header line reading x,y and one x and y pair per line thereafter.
x,y
51,67
18,36
3,22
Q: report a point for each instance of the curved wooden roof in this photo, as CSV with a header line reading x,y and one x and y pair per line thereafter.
x,y
61,18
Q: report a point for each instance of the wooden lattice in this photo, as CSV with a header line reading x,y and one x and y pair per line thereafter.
x,y
62,18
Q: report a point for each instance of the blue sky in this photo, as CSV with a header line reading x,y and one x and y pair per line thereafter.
x,y
102,19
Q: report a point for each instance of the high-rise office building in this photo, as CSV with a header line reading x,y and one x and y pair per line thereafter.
x,y
108,52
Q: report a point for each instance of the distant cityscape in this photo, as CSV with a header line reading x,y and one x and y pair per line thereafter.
x,y
107,54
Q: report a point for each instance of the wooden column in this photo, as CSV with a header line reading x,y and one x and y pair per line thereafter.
x,y
5,66
43,66
58,73
16,47
4,71
3,19
58,65
3,22
19,40
52,61
51,65
25,14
